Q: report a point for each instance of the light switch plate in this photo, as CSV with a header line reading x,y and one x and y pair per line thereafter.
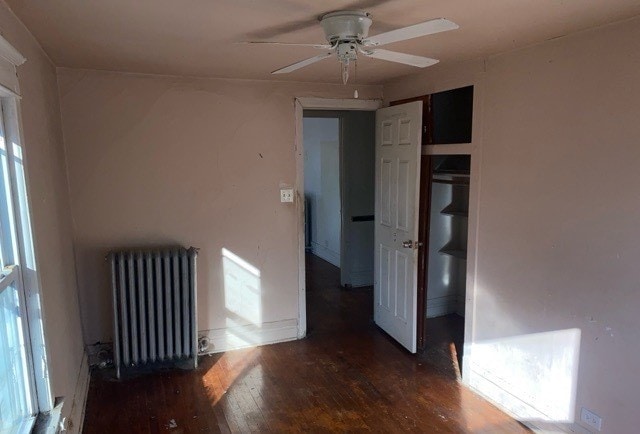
x,y
286,195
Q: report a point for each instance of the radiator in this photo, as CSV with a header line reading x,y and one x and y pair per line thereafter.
x,y
154,306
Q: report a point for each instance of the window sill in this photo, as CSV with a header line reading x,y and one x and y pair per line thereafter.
x,y
49,422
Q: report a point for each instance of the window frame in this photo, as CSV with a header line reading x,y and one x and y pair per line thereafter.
x,y
23,271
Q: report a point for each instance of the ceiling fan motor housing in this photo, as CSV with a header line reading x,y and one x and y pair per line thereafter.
x,y
345,26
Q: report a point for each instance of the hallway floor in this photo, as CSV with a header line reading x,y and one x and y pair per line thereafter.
x,y
346,376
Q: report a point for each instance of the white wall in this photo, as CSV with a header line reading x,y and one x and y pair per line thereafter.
x,y
557,293
50,213
321,141
161,160
358,174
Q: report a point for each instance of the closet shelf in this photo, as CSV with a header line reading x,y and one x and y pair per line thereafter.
x,y
454,177
456,212
456,253
458,181
461,173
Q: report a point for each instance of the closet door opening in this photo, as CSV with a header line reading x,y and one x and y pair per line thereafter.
x,y
445,274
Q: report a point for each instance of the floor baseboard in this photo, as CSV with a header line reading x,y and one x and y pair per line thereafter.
x,y
249,335
75,420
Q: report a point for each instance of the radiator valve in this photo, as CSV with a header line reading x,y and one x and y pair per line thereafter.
x,y
203,344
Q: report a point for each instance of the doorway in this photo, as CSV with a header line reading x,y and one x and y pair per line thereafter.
x,y
339,196
457,141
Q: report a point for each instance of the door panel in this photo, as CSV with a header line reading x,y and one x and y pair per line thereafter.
x,y
385,192
404,213
403,285
384,287
398,137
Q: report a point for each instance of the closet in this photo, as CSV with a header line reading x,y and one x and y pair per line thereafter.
x,y
444,216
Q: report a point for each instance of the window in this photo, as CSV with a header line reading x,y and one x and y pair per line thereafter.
x,y
24,388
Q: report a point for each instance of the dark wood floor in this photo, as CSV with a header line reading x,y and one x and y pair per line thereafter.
x,y
346,376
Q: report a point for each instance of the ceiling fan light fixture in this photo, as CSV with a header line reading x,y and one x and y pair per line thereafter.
x,y
345,72
346,52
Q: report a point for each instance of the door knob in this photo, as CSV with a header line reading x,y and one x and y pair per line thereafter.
x,y
407,244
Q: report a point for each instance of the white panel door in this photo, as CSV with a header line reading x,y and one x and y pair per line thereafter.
x,y
398,140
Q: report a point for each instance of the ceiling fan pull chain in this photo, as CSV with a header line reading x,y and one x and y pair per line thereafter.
x,y
355,79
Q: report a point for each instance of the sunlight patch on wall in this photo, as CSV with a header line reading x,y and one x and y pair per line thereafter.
x,y
532,376
242,292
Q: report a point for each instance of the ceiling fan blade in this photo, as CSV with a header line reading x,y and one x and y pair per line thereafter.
x,y
302,64
410,32
407,59
288,44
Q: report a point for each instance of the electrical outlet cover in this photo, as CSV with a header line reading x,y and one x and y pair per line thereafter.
x,y
591,419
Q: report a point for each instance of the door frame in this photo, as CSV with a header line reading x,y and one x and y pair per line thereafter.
x,y
301,104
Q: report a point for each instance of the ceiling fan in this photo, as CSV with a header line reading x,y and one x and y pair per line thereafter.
x,y
347,36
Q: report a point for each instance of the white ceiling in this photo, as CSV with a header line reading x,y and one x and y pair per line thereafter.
x,y
196,37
